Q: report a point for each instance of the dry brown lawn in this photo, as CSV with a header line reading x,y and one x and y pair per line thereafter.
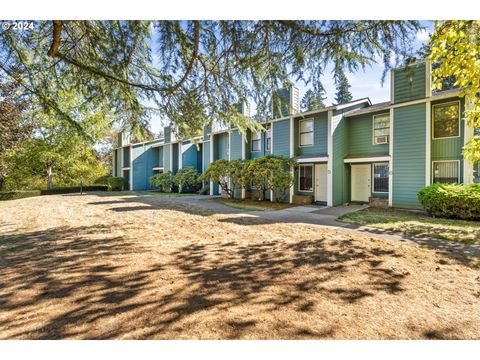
x,y
103,267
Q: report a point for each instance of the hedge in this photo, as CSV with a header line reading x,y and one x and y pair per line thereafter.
x,y
18,194
452,201
116,183
73,189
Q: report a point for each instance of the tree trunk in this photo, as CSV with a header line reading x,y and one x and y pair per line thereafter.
x,y
49,177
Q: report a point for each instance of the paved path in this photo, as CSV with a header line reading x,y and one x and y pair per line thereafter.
x,y
326,217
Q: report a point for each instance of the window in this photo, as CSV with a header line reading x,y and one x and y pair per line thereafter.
x,y
446,171
380,178
446,120
306,132
256,141
268,145
381,129
305,178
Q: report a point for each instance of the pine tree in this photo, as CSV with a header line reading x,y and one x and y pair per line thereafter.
x,y
343,94
313,100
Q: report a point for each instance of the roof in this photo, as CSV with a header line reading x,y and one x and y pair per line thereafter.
x,y
360,156
374,108
332,107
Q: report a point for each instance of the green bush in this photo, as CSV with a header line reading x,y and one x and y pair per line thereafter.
x,y
451,200
18,194
103,180
73,189
163,182
205,190
188,180
116,183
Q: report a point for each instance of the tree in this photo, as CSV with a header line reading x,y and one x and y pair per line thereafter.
x,y
219,172
313,100
187,180
199,69
343,94
456,49
13,129
424,53
163,182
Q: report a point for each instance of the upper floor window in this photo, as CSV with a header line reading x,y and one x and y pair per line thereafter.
x,y
268,134
256,141
381,129
446,171
306,132
446,120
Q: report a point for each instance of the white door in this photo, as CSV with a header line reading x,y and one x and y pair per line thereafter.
x,y
320,182
361,182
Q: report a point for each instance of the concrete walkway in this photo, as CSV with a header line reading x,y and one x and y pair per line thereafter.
x,y
326,217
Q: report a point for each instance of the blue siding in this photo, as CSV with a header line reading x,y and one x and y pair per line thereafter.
x,y
206,155
189,155
236,151
221,146
166,158
175,157
140,165
408,154
320,136
281,138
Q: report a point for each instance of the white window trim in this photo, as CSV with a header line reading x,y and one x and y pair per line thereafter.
x,y
259,140
373,177
313,176
373,128
443,161
459,120
300,133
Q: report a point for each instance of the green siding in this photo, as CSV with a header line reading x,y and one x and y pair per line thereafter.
x,y
360,136
281,138
320,135
236,150
404,90
166,158
341,184
409,128
449,148
221,146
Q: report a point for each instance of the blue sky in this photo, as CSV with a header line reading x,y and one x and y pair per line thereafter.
x,y
364,83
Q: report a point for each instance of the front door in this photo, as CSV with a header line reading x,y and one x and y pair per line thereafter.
x,y
361,182
321,182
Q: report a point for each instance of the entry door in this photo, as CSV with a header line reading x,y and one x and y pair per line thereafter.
x,y
361,182
320,182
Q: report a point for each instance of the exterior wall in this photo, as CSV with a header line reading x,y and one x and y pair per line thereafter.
x,y
409,136
189,155
206,155
449,148
175,151
118,162
360,135
340,171
140,167
220,146
126,156
167,166
256,154
320,135
406,90
281,138
167,133
236,145
281,103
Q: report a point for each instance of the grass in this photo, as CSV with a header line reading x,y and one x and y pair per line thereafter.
x,y
417,224
251,205
109,267
168,194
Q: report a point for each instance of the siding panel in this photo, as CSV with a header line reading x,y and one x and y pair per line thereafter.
x,y
360,136
281,138
404,90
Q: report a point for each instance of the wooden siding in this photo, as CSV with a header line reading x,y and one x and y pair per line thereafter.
x,y
403,89
281,138
236,144
409,126
360,136
320,135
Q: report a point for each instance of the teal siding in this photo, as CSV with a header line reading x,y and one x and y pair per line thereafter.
x,y
449,148
189,155
281,103
221,146
236,150
126,156
206,155
281,138
408,154
140,164
166,158
320,136
175,157
360,136
256,154
404,90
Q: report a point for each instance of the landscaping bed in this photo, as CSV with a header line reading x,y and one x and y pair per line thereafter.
x,y
416,223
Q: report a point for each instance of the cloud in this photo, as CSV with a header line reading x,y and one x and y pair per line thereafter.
x,y
423,35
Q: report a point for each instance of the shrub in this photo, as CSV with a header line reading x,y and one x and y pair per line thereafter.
x,y
163,182
116,183
451,200
188,180
218,172
103,180
205,190
73,189
18,194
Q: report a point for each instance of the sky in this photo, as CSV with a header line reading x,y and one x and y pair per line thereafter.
x,y
364,83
